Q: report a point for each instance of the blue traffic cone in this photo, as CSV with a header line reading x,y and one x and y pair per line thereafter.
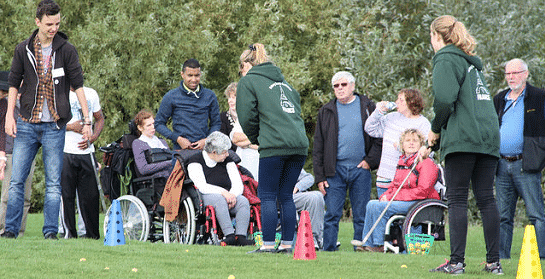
x,y
114,232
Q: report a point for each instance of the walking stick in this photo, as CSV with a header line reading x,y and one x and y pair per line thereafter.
x,y
100,191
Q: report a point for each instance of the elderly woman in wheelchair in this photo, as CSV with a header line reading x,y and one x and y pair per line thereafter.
x,y
418,185
217,178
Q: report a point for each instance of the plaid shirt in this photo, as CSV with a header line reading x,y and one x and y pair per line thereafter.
x,y
45,88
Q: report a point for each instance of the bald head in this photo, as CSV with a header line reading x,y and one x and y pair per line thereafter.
x,y
516,74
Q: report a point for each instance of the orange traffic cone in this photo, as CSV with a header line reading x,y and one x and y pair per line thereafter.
x,y
304,246
529,263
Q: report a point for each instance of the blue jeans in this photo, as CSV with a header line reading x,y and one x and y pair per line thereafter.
x,y
512,183
374,209
358,182
277,178
29,139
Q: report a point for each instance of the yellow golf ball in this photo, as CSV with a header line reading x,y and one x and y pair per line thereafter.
x,y
403,266
231,277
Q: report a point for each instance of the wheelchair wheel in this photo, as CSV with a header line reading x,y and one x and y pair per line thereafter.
x,y
430,214
182,229
136,221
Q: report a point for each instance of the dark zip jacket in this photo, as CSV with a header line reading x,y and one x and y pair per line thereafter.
x,y
66,71
324,154
533,149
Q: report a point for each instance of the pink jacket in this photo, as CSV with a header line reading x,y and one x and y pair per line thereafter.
x,y
420,184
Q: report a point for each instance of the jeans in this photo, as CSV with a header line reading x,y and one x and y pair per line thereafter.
x,y
460,169
29,139
374,209
358,182
277,178
511,183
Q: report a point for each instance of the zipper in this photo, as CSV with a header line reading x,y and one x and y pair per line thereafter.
x,y
53,81
33,62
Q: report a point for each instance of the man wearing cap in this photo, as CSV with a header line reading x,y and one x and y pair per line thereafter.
x,y
6,149
193,109
47,65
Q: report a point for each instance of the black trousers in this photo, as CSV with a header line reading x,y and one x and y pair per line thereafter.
x,y
480,169
78,175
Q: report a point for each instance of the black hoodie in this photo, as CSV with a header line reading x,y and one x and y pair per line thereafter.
x,y
66,72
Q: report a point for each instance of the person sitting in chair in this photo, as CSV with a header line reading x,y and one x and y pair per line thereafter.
x,y
146,130
216,177
418,186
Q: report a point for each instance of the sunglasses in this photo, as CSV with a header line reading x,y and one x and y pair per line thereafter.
x,y
344,84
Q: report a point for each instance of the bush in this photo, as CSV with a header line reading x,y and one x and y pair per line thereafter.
x,y
132,52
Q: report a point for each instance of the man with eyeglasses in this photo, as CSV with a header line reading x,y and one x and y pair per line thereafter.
x,y
521,112
343,156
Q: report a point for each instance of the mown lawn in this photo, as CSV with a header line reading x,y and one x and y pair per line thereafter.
x,y
33,257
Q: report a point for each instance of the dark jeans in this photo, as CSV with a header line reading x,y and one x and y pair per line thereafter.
x,y
277,178
460,169
357,181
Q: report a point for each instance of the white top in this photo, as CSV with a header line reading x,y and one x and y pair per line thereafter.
x,y
72,139
389,127
196,173
249,158
153,142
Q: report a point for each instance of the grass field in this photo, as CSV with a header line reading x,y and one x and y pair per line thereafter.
x,y
33,257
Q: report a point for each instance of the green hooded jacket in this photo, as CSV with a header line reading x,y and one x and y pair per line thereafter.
x,y
464,112
269,112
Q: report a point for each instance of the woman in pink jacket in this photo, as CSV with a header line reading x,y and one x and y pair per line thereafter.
x,y
419,186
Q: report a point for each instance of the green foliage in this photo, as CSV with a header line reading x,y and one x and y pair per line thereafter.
x,y
132,51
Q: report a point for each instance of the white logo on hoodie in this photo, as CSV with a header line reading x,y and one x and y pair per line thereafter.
x,y
286,105
481,91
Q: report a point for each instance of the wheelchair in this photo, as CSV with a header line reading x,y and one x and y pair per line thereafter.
x,y
139,196
427,216
196,223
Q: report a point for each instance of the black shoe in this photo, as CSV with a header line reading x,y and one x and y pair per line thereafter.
x,y
284,250
243,241
8,234
262,251
52,236
229,240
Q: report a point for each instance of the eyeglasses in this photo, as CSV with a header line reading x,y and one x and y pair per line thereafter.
x,y
514,73
344,84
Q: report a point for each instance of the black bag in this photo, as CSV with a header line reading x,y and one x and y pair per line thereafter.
x,y
110,183
156,155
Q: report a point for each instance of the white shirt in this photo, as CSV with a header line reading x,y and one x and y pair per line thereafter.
x,y
72,139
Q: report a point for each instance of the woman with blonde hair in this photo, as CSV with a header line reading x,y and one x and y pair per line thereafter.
x,y
467,124
269,112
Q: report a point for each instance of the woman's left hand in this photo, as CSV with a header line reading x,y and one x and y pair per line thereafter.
x,y
230,198
432,138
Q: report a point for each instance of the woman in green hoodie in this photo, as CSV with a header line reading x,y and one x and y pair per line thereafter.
x,y
467,124
269,112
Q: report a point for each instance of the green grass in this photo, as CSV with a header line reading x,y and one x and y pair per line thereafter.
x,y
33,257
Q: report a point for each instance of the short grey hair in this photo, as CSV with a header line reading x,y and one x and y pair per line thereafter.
x,y
519,61
343,74
217,142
